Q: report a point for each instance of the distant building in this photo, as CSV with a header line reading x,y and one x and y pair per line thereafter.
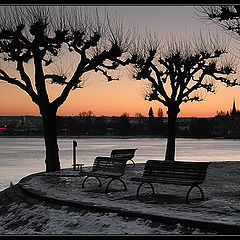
x,y
227,125
104,125
21,125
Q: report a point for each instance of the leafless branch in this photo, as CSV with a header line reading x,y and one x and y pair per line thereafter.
x,y
183,66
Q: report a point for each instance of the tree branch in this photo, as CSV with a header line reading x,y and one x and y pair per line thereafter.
x,y
56,78
159,86
14,81
191,89
23,74
228,82
105,73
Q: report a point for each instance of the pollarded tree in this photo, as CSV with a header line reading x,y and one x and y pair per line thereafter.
x,y
35,37
180,71
225,16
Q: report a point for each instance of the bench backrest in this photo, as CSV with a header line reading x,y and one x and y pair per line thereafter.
x,y
108,164
123,153
194,171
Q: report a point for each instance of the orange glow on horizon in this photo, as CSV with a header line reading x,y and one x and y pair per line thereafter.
x,y
113,99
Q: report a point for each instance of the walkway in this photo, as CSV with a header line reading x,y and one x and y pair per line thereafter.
x,y
218,213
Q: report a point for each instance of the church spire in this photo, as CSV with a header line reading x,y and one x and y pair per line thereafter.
x,y
234,111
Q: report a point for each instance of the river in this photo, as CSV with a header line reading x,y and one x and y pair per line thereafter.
x,y
21,156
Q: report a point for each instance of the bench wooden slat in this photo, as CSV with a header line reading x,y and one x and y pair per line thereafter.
x,y
175,174
162,171
178,169
168,179
109,164
176,179
171,166
165,181
124,154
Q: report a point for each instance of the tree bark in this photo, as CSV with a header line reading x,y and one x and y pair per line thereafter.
x,y
172,117
49,119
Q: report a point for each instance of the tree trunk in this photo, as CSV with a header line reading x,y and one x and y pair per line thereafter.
x,y
172,117
49,119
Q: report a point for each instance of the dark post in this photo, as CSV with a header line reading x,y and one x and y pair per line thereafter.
x,y
74,154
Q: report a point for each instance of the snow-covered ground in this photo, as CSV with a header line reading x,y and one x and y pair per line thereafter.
x,y
221,205
40,219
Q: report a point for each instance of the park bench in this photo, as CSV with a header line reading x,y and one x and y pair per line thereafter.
x,y
175,172
106,167
125,154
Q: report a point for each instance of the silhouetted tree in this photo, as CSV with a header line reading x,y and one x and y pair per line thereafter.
x,y
160,121
140,128
89,122
100,126
113,125
139,115
151,121
220,114
177,70
124,125
35,37
203,129
86,120
225,16
68,126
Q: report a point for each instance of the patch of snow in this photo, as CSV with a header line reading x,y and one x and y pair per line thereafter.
x,y
39,219
221,205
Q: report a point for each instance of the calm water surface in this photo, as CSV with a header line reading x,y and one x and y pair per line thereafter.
x,y
23,156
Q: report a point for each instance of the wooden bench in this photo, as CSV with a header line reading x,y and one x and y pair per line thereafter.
x,y
126,154
106,167
178,173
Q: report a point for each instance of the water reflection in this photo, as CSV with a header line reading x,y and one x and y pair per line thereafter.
x,y
22,156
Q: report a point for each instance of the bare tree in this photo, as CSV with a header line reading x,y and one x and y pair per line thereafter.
x,y
35,37
225,16
180,71
139,115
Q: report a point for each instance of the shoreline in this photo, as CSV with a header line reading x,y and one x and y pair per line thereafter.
x,y
119,137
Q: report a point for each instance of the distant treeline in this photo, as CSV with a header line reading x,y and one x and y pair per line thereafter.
x,y
108,126
122,125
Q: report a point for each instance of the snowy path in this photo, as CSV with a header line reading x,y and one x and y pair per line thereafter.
x,y
222,206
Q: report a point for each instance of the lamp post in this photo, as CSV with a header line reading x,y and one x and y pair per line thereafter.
x,y
74,154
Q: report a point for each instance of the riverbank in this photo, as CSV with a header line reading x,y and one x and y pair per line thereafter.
x,y
90,136
217,214
118,137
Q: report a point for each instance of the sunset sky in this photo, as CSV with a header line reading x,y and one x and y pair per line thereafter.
x,y
116,97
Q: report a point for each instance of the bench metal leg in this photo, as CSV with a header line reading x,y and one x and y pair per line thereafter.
x,y
141,186
100,184
125,187
132,162
190,189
